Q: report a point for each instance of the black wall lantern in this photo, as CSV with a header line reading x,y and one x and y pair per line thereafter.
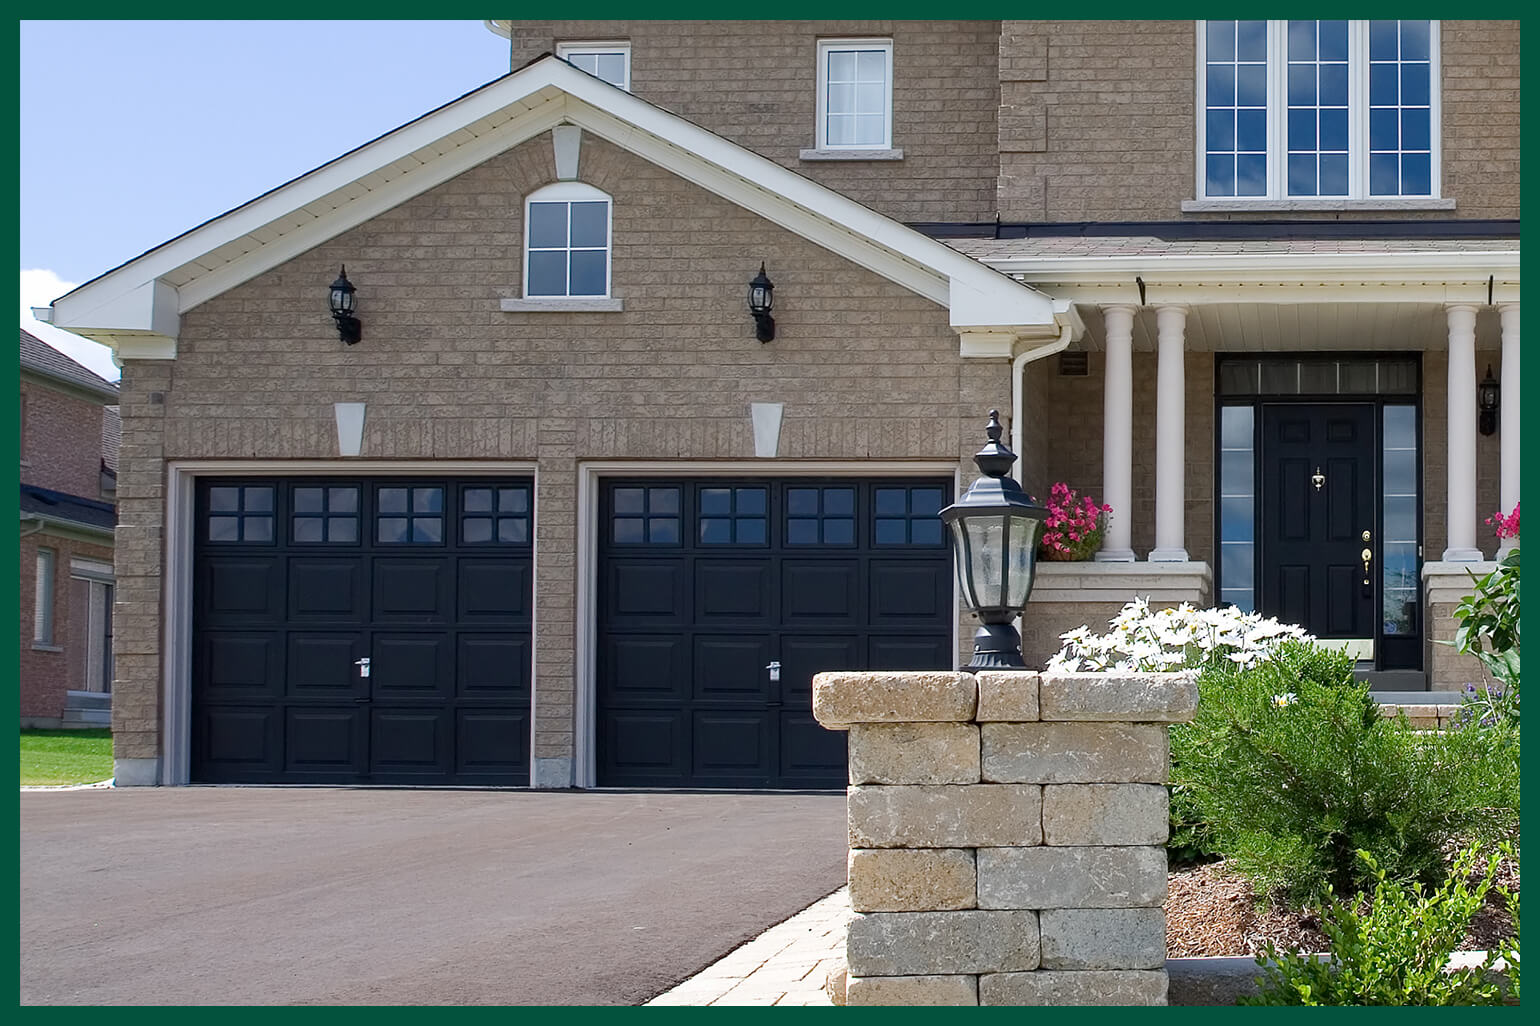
x,y
995,528
761,299
1488,396
348,327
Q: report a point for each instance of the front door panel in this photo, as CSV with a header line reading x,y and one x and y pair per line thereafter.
x,y
1317,497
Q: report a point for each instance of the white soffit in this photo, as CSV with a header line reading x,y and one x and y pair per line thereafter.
x,y
251,239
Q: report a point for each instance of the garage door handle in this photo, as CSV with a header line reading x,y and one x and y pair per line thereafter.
x,y
361,701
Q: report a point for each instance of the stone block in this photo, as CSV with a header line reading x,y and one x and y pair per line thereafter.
x,y
1140,698
1074,753
840,699
913,879
1066,987
1105,814
947,816
1072,877
1103,938
931,943
914,753
836,984
912,990
1007,696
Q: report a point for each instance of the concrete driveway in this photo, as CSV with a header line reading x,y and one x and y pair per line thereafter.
x,y
359,896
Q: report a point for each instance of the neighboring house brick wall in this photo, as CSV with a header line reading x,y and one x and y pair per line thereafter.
x,y
62,441
755,83
52,670
866,370
1099,123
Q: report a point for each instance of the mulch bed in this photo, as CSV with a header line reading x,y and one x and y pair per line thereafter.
x,y
1212,911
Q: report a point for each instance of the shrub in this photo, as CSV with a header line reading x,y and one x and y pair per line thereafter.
x,y
1294,770
1489,630
1173,639
1391,948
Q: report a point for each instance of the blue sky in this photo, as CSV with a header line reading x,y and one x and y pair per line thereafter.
x,y
132,132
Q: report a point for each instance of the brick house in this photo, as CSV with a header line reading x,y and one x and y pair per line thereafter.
x,y
69,451
560,519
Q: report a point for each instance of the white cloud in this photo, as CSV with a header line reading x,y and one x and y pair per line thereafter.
x,y
41,287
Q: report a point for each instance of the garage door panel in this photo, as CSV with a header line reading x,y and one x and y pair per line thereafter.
x,y
910,652
239,741
645,745
327,590
909,590
410,741
645,592
732,590
493,665
647,666
802,656
732,667
240,666
241,590
492,742
324,665
493,590
809,752
418,591
827,591
326,741
411,665
731,746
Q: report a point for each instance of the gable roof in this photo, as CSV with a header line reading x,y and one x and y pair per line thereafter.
x,y
63,508
136,308
43,359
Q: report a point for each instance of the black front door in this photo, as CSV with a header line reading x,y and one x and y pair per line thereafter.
x,y
1317,496
720,598
352,630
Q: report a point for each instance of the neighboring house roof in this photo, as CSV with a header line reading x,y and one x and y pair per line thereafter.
x,y
41,358
112,437
63,508
136,308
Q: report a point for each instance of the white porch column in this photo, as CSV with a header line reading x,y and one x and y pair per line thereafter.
x,y
1461,517
1170,441
1508,427
1118,436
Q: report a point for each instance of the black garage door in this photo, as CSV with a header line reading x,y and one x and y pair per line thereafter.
x,y
354,630
706,585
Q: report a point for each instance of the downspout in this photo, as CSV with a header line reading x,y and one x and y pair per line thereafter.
x,y
1018,390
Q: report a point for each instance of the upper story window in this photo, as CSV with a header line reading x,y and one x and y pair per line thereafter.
x,y
609,61
855,94
567,242
1328,110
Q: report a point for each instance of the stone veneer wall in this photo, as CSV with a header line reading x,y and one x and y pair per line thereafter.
x,y
1007,834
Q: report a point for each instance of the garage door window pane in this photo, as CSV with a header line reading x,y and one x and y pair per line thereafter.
x,y
820,516
325,514
240,513
909,516
733,516
645,516
421,524
493,515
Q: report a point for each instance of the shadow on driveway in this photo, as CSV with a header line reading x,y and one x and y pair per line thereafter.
x,y
244,895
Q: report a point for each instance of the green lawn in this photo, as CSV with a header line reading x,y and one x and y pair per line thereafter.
x,y
65,756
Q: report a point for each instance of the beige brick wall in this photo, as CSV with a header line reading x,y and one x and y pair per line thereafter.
x,y
756,84
865,369
1097,122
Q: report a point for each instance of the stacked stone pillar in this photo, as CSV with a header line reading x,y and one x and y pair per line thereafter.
x,y
1007,834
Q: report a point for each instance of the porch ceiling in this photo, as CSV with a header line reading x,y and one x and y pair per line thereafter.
x,y
1251,327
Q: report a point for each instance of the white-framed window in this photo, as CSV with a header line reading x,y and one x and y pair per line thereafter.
x,y
46,586
855,94
1318,110
609,61
567,242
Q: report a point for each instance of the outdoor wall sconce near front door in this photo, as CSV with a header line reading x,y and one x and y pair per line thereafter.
x,y
1488,395
761,299
994,540
348,327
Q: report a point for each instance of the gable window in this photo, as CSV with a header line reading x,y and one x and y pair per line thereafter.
x,y
567,242
1318,110
609,61
855,94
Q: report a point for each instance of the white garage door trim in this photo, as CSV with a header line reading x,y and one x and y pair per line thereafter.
x,y
584,769
177,583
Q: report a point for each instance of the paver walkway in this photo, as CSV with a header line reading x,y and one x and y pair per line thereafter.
x,y
785,965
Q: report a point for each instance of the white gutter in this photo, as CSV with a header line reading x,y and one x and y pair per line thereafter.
x,y
1018,390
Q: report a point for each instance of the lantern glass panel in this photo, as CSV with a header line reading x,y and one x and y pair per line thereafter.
x,y
1021,560
960,549
986,566
342,301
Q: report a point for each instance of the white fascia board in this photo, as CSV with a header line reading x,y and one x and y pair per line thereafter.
x,y
139,323
977,302
1283,268
1282,293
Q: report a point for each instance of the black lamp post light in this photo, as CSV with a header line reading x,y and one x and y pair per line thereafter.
x,y
761,299
995,528
1487,400
348,327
